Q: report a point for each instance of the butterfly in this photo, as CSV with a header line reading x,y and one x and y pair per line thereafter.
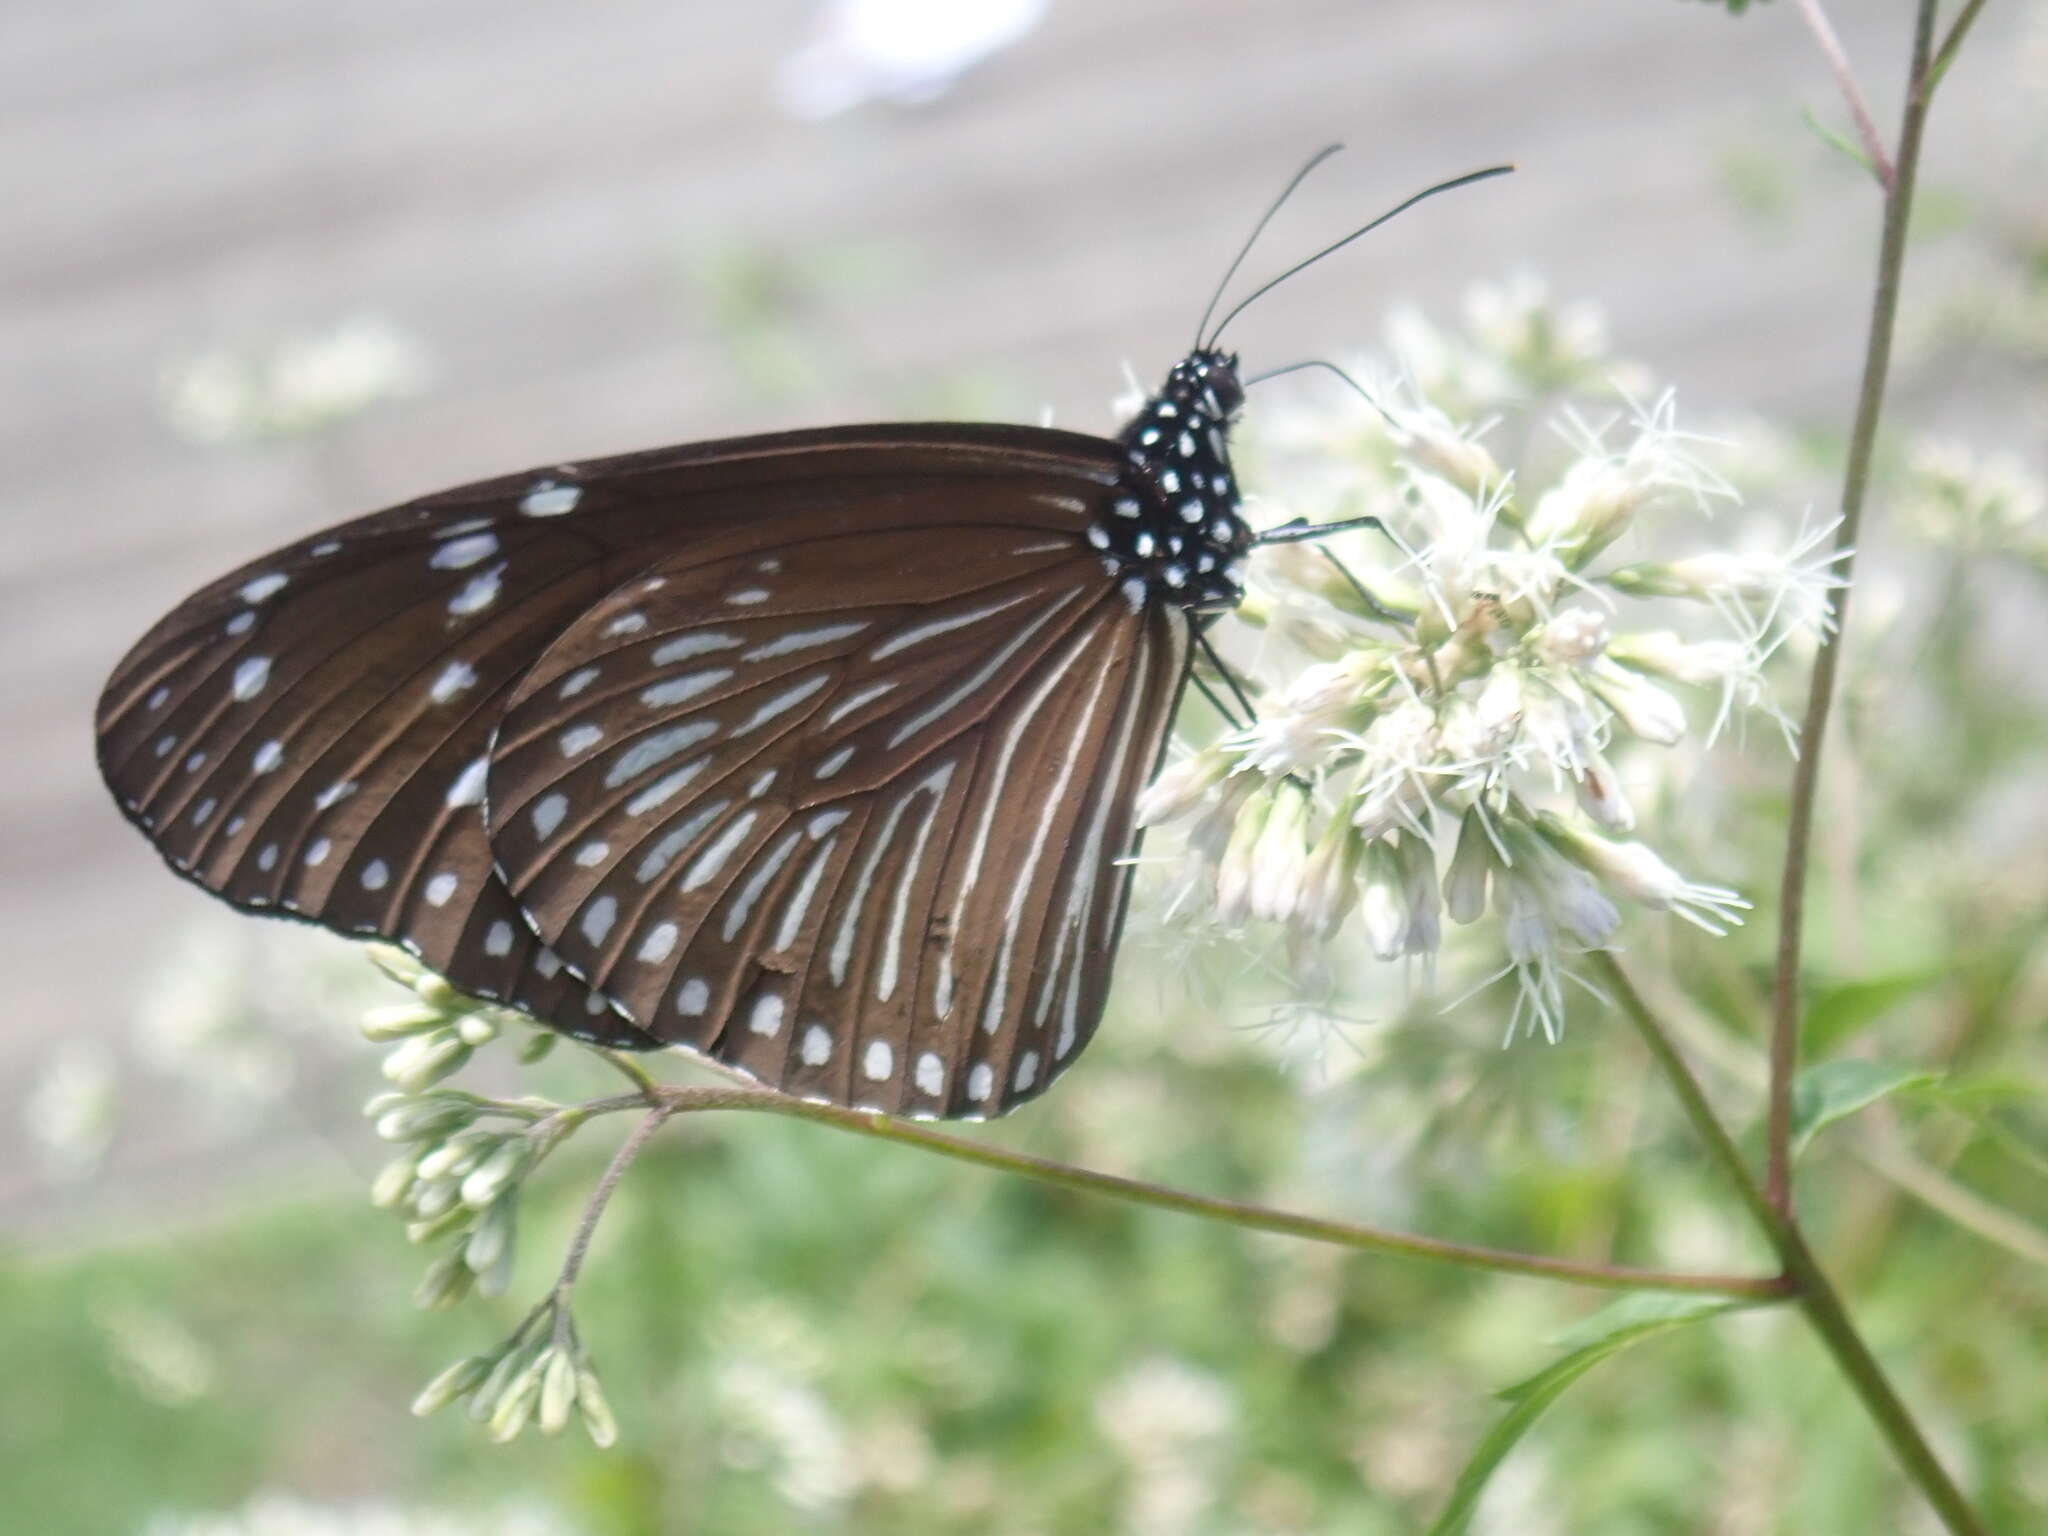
x,y
815,753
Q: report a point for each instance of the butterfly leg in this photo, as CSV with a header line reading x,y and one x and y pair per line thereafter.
x,y
1229,681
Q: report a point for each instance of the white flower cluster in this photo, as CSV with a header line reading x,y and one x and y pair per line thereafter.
x,y
1441,702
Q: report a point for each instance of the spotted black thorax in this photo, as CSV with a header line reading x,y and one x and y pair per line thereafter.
x,y
1172,530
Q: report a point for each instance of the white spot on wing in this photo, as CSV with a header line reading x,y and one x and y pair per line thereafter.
x,y
480,592
782,703
580,738
442,887
576,682
659,943
257,588
817,1046
454,678
548,499
468,788
376,875
766,1017
598,917
267,757
981,1082
251,677
931,1074
746,597
548,813
460,554
498,941
693,997
877,1062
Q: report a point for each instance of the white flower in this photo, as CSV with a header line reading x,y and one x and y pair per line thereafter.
x,y
1644,708
1636,871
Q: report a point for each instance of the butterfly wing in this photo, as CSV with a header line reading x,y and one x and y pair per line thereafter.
x,y
847,809
307,736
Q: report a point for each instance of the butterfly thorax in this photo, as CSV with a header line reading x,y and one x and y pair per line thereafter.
x,y
1172,531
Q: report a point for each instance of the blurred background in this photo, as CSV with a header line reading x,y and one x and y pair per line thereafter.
x,y
268,266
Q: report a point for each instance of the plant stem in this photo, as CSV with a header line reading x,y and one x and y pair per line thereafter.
x,y
601,1196
1838,60
1236,1212
1945,55
1810,1286
1891,260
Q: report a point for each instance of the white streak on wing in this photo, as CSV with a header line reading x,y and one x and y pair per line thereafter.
x,y
980,678
804,639
1066,545
903,640
832,762
866,696
992,798
695,643
1021,880
663,853
765,871
782,703
676,689
936,782
800,903
842,942
707,864
664,789
657,748
1082,883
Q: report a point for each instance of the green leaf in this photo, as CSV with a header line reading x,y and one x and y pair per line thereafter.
x,y
1846,1008
1607,1332
1840,142
1826,1093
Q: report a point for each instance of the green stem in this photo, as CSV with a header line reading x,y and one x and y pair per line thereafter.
x,y
1809,1285
1945,55
1877,355
1236,1212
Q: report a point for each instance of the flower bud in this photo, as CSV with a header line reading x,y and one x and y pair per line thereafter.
x,y
393,1184
458,1380
1600,795
398,1020
1280,856
496,1173
1471,863
448,1280
1586,511
1329,885
1181,786
1234,869
423,1060
1644,708
597,1413
557,1392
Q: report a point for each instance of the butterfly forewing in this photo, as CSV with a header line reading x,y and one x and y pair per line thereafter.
x,y
792,808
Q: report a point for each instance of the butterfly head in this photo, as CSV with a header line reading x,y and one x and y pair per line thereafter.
x,y
1172,532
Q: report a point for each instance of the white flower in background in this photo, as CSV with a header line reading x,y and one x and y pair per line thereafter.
x,y
301,384
69,1113
1166,1417
902,51
1962,501
282,1514
1450,717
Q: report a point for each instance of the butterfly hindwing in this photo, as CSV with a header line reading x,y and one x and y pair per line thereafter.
x,y
795,802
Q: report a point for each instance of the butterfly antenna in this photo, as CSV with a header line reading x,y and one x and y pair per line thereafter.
x,y
1328,367
1258,229
1401,207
